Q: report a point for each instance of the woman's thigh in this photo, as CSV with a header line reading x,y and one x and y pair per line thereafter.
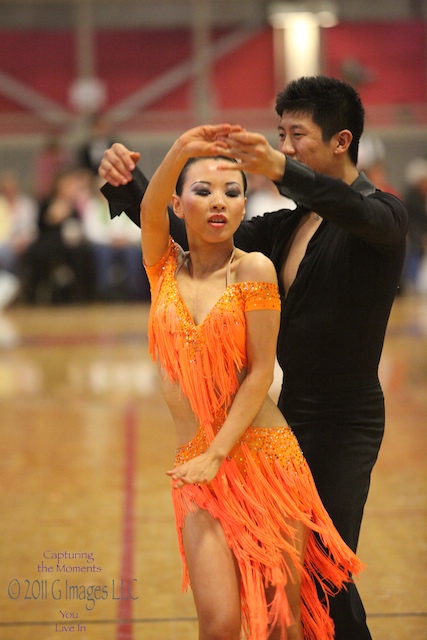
x,y
214,576
293,586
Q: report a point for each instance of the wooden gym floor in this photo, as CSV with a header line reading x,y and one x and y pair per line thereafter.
x,y
87,540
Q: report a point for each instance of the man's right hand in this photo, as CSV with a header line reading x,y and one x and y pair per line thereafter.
x,y
117,164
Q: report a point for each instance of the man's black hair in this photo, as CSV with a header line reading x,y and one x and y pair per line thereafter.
x,y
332,104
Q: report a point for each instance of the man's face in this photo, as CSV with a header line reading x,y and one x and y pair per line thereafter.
x,y
301,139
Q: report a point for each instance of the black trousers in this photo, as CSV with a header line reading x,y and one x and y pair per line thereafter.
x,y
340,433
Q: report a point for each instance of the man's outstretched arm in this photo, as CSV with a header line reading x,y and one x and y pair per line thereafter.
x,y
117,164
125,187
125,183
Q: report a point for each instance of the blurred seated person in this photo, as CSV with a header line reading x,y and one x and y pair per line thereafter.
x,y
116,246
100,138
49,162
263,195
57,267
18,222
372,161
415,199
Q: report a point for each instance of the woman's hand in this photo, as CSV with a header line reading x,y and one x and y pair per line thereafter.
x,y
199,470
206,140
118,161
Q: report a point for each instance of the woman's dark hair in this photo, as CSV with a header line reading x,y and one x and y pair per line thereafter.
x,y
182,176
332,104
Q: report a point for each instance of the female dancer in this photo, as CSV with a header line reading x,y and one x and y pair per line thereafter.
x,y
246,507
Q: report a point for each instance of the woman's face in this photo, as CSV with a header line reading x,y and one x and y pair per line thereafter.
x,y
212,202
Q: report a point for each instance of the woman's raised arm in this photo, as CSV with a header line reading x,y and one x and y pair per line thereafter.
x,y
200,141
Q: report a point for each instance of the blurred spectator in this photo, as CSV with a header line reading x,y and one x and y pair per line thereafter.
x,y
116,245
415,198
100,138
263,196
372,162
57,267
9,289
51,160
18,222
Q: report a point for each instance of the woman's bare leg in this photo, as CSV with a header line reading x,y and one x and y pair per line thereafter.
x,y
214,577
293,587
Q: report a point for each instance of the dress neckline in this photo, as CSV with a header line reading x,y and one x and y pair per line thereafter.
x,y
187,258
210,312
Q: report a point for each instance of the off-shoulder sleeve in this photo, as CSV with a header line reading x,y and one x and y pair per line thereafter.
x,y
155,271
262,295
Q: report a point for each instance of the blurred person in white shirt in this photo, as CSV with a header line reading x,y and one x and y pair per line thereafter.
x,y
18,221
18,229
116,246
263,195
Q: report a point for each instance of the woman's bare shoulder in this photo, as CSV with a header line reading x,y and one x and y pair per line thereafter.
x,y
254,267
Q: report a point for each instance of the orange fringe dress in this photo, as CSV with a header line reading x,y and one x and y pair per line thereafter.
x,y
265,483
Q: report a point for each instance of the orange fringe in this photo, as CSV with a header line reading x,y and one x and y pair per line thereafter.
x,y
254,496
205,359
255,507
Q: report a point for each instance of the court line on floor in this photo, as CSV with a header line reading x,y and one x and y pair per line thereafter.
x,y
124,628
134,621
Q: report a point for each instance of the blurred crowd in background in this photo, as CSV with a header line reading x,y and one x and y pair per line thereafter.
x,y
59,246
